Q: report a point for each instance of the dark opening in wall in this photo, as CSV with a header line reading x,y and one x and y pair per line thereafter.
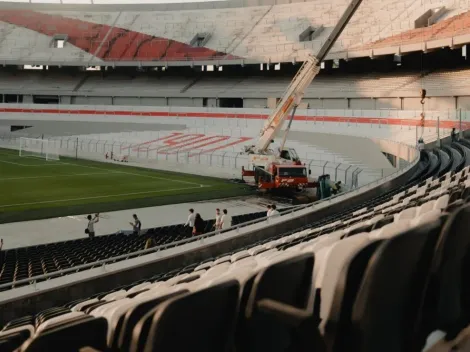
x,y
230,102
18,128
45,99
204,102
13,98
310,34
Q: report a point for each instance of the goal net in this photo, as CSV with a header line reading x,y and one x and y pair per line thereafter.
x,y
39,148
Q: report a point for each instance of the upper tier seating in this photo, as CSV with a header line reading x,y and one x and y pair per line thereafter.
x,y
347,283
374,84
262,33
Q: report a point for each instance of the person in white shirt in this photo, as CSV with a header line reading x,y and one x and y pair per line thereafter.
x,y
218,219
191,218
274,211
90,229
226,221
268,213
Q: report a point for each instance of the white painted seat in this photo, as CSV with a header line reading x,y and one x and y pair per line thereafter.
x,y
424,208
175,279
331,266
442,202
391,230
138,287
79,306
114,295
429,216
206,265
223,259
239,255
256,250
406,214
59,319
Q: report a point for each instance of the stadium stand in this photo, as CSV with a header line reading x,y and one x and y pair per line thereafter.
x,y
441,82
29,262
258,33
395,253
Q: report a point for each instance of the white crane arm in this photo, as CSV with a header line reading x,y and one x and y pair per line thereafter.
x,y
291,98
295,92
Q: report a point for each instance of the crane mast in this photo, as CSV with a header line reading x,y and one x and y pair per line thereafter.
x,y
295,91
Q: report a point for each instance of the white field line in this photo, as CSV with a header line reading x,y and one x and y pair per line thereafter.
x,y
98,197
55,176
26,165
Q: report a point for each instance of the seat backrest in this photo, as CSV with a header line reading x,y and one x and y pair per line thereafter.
x,y
450,271
123,329
332,266
262,332
75,335
389,300
337,325
199,321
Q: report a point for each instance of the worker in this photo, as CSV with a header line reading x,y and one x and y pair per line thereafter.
x,y
420,144
218,219
274,211
453,135
268,213
191,218
226,221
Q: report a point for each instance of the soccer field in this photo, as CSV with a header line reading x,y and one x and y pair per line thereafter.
x,y
33,188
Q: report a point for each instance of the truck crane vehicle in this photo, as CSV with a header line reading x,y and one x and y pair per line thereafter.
x,y
283,169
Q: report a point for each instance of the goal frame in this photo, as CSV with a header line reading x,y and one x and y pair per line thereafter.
x,y
45,152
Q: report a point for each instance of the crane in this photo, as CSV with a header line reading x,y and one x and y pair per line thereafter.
x,y
266,164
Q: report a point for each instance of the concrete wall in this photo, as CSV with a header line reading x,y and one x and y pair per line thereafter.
x,y
253,102
397,125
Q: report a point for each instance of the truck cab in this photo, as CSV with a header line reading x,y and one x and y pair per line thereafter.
x,y
289,154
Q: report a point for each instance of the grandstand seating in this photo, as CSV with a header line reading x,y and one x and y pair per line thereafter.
x,y
399,256
260,33
393,84
28,262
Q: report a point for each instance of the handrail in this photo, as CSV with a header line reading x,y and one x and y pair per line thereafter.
x,y
33,280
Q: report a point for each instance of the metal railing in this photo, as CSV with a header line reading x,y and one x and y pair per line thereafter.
x,y
150,155
326,202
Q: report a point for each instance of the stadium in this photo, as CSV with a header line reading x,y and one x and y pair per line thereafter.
x,y
332,137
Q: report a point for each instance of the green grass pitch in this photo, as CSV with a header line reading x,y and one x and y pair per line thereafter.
x,y
34,188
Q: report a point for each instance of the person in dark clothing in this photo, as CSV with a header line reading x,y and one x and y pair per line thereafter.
x,y
198,228
453,135
136,225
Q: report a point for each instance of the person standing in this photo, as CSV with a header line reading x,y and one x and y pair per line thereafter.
x,y
226,221
198,228
268,213
274,211
90,229
453,135
218,219
136,225
191,218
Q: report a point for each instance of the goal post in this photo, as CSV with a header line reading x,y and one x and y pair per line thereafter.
x,y
39,148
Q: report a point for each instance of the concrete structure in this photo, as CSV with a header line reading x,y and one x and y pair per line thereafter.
x,y
446,90
230,32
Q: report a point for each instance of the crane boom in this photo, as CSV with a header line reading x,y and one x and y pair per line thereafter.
x,y
295,92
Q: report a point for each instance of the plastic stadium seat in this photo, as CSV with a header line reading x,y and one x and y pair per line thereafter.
x,y
213,311
71,336
268,298
401,283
